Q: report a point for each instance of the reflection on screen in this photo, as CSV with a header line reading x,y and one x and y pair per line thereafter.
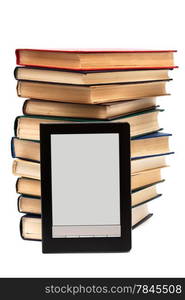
x,y
85,185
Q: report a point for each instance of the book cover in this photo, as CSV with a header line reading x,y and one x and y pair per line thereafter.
x,y
92,51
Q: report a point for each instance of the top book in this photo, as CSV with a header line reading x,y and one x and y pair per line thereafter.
x,y
96,59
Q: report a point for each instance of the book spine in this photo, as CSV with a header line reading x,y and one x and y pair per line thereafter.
x,y
13,148
18,203
16,73
16,185
17,55
21,226
24,107
18,88
14,167
16,125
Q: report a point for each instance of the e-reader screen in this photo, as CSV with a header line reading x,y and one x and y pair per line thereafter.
x,y
85,180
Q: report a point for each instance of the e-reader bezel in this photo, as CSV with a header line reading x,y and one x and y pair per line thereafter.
x,y
87,244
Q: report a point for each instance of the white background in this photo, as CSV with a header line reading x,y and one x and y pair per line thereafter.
x,y
159,245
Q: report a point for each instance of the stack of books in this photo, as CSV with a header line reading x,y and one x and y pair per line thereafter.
x,y
80,86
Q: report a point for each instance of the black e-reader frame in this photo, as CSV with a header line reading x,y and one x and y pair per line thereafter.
x,y
86,244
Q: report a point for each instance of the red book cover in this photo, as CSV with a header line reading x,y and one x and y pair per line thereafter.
x,y
86,51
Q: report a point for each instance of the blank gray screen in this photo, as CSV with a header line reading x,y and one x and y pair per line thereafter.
x,y
85,185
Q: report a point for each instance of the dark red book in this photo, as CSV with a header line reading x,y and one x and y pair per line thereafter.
x,y
104,59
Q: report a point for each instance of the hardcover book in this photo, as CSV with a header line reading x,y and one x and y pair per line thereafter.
x,y
96,59
89,77
146,145
92,94
28,127
106,111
